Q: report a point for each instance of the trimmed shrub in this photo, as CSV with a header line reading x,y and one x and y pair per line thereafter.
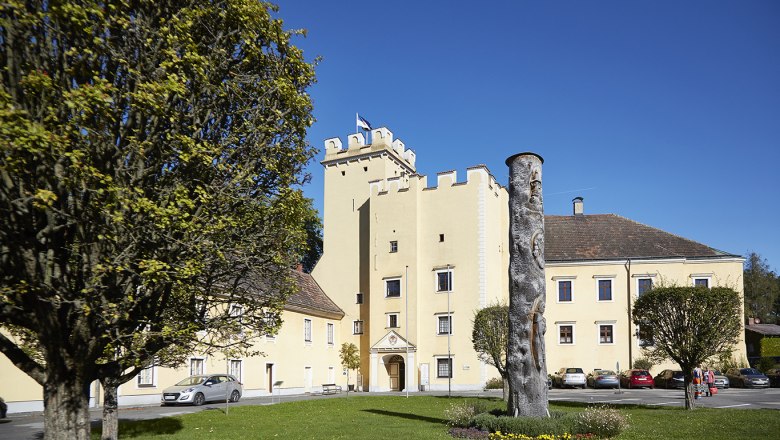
x,y
643,364
495,383
468,433
601,420
766,363
559,424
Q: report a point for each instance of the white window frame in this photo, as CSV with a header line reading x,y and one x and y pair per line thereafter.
x,y
572,280
573,326
701,276
203,365
650,277
451,280
307,338
355,327
330,334
237,311
269,337
240,363
451,366
153,384
400,287
599,324
451,323
598,279
397,322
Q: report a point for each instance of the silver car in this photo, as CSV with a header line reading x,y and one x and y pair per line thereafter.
x,y
199,389
569,377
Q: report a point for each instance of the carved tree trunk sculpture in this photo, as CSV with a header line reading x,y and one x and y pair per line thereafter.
x,y
526,366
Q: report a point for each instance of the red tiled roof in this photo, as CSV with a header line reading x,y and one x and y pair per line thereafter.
x,y
611,237
311,299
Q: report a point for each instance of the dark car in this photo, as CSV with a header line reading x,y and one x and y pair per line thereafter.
x,y
670,379
774,377
637,379
747,378
603,379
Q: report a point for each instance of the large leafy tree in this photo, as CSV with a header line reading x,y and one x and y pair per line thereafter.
x,y
689,325
490,335
762,289
150,155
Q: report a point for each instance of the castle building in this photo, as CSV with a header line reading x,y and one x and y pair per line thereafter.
x,y
407,262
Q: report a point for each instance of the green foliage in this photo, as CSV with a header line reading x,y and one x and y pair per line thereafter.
x,y
152,153
490,335
643,363
531,426
762,289
602,420
770,346
495,383
766,363
689,324
460,414
350,356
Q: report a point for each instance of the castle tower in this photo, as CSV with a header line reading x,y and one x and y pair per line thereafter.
x,y
343,269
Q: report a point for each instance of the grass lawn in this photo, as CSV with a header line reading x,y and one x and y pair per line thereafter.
x,y
422,417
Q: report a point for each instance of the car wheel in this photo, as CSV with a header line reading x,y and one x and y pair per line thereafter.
x,y
234,396
198,400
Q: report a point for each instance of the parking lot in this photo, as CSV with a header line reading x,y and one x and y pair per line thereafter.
x,y
30,425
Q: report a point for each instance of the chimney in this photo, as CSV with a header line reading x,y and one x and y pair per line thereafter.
x,y
578,208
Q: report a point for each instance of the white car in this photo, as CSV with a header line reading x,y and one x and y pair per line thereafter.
x,y
197,390
569,377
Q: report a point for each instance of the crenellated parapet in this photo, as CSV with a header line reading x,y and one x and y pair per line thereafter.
x,y
382,142
476,175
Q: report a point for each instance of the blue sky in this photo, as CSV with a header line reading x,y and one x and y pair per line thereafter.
x,y
665,112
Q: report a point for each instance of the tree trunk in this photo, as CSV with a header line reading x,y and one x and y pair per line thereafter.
x,y
506,389
66,408
690,401
526,365
110,410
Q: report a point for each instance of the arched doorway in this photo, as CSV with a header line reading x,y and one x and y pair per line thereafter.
x,y
396,372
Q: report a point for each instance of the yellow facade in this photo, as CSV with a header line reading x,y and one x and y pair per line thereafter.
x,y
390,240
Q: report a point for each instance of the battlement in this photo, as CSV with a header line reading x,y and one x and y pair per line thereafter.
x,y
444,179
382,140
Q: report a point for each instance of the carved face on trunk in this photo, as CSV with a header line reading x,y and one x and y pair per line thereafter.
x,y
537,248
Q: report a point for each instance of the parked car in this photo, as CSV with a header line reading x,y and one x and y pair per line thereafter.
x,y
603,379
774,377
199,389
637,379
670,379
721,381
747,378
569,377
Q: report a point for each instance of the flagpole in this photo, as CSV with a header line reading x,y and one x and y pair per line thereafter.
x,y
406,325
357,127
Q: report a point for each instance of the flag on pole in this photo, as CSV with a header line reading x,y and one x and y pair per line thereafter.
x,y
361,122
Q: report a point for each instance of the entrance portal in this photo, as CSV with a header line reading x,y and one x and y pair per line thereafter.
x,y
396,371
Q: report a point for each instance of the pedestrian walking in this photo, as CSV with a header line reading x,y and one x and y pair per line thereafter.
x,y
698,374
710,379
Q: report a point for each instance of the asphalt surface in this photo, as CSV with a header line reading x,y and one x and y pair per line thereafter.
x,y
27,426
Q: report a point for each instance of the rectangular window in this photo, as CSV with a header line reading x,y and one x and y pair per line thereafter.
x,y
444,367
566,334
392,320
564,291
393,246
197,366
444,281
146,377
643,285
605,334
393,288
704,282
330,334
236,312
445,325
235,368
357,327
441,238
359,298
307,330
605,290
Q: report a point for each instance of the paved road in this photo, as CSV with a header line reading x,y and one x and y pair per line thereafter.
x,y
29,426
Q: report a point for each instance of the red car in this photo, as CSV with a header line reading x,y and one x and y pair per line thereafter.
x,y
637,379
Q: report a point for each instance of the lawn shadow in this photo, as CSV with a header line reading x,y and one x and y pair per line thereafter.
x,y
408,416
141,428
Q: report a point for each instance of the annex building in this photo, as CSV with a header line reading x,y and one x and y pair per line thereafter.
x,y
408,261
